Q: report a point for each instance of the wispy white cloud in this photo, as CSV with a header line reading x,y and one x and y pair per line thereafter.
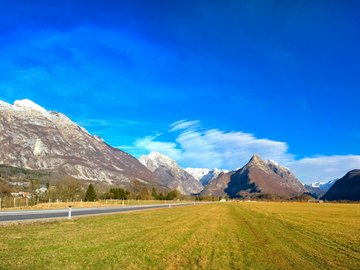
x,y
183,124
214,148
149,143
226,149
324,168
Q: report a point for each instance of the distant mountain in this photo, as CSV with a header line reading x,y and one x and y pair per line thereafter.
x,y
34,138
346,188
323,185
318,189
205,176
315,191
257,178
197,173
170,174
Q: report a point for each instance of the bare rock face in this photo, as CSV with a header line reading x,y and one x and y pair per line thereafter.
x,y
218,185
256,178
34,138
168,173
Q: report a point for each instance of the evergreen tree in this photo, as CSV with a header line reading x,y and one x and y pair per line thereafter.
x,y
172,195
119,193
154,193
160,196
90,194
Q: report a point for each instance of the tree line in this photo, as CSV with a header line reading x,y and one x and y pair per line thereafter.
x,y
123,194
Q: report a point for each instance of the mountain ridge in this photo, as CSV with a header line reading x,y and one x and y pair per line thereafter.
x,y
170,174
205,176
256,178
35,138
346,188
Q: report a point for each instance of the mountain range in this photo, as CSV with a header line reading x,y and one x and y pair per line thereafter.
x,y
318,189
205,176
34,138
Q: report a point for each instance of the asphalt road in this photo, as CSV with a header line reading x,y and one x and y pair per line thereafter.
x,y
13,216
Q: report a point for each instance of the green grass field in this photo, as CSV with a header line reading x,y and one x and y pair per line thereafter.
x,y
213,236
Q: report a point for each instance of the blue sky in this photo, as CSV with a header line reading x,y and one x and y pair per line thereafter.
x,y
279,78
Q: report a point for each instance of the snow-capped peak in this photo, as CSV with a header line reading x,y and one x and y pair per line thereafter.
x,y
205,176
27,104
162,158
154,160
197,173
323,185
317,184
5,105
274,163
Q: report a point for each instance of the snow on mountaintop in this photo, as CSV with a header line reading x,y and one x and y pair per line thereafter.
x,y
205,176
162,159
323,185
197,173
155,160
5,105
317,184
26,108
28,104
34,138
170,174
270,161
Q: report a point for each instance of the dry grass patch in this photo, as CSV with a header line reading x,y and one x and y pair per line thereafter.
x,y
213,236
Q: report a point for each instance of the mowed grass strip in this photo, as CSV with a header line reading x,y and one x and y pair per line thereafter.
x,y
212,236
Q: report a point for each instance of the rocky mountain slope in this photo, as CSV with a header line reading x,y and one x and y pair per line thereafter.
x,y
170,174
346,188
205,176
256,178
34,138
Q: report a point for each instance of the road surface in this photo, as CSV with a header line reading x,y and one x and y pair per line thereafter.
x,y
13,216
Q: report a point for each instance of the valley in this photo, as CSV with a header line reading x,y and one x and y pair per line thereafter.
x,y
212,236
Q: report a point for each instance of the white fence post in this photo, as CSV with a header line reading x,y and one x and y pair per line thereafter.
x,y
14,202
69,217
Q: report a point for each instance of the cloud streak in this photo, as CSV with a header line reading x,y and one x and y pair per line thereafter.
x,y
214,148
184,124
324,168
